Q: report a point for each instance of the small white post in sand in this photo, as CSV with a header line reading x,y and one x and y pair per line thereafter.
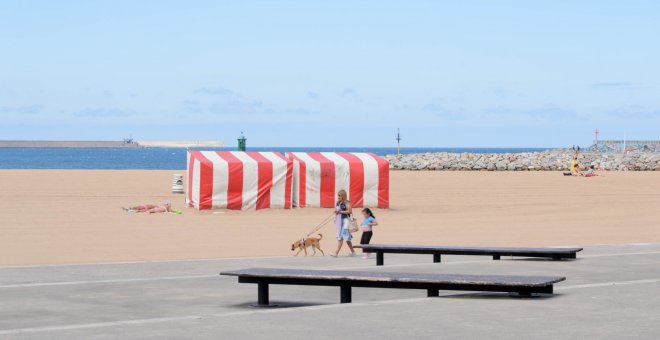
x,y
177,184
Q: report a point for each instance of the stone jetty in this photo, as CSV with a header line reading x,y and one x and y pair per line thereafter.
x,y
551,160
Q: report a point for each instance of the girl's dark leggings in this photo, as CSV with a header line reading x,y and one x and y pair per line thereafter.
x,y
366,237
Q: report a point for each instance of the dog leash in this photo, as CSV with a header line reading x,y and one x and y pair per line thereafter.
x,y
320,225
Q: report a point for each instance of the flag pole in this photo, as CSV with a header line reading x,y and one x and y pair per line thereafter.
x,y
398,143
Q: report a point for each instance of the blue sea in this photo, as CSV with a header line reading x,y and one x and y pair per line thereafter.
x,y
168,158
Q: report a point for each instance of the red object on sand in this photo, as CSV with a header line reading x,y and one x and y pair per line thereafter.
x,y
239,180
318,176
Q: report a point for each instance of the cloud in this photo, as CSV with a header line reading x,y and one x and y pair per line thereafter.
x,y
289,111
501,93
312,95
637,112
253,107
229,103
545,113
214,91
619,85
30,109
236,106
191,106
349,92
442,112
103,112
550,112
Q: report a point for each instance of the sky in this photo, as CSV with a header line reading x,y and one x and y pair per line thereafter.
x,y
331,73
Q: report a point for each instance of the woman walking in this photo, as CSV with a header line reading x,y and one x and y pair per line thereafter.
x,y
343,211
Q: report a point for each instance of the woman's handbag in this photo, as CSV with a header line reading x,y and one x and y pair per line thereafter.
x,y
352,224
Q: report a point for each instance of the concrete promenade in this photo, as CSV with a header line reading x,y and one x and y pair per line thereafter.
x,y
611,291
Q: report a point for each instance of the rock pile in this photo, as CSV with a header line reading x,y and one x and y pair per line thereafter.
x,y
559,159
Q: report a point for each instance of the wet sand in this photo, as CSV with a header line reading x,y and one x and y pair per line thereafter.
x,y
75,216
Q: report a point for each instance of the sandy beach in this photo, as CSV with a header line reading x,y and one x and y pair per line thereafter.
x,y
75,216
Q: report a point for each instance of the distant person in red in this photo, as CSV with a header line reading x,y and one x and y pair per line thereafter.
x,y
150,208
591,172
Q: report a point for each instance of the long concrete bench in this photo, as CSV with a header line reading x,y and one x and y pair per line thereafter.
x,y
432,283
495,252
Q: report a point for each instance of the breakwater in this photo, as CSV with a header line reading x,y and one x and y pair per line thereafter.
x,y
126,143
551,160
67,144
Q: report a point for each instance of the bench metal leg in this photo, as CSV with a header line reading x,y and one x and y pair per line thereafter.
x,y
380,258
262,295
432,292
346,294
436,258
496,257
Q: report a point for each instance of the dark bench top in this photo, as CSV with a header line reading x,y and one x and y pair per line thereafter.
x,y
456,249
362,276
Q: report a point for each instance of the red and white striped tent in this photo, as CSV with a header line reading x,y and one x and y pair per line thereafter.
x,y
239,180
317,176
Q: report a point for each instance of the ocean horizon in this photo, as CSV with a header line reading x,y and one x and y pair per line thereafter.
x,y
175,158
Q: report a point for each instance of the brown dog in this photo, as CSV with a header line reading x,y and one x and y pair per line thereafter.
x,y
314,242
